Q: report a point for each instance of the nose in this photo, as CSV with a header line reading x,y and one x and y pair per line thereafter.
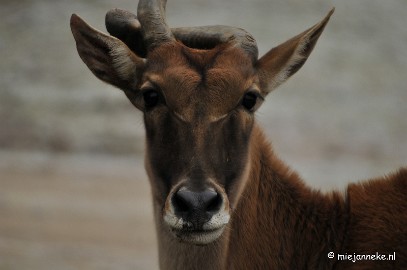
x,y
196,207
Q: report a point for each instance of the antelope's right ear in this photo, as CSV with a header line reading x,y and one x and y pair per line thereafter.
x,y
106,56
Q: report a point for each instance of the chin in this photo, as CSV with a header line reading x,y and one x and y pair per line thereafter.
x,y
199,238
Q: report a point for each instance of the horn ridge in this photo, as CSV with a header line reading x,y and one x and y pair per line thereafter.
x,y
154,28
213,35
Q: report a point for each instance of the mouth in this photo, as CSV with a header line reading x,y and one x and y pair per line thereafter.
x,y
198,237
186,232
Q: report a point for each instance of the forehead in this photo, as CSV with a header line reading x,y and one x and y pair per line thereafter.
x,y
199,83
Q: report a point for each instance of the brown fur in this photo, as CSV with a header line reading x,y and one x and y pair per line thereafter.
x,y
201,136
282,224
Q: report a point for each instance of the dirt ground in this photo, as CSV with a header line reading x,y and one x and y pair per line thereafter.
x,y
73,191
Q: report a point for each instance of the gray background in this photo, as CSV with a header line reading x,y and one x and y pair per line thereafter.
x,y
73,192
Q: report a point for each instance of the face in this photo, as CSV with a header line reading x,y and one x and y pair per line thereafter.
x,y
198,111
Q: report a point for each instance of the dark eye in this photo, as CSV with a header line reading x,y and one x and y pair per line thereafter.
x,y
151,98
249,101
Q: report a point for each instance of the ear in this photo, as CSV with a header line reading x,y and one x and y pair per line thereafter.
x,y
276,66
106,56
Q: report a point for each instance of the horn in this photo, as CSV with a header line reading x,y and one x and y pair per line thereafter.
x,y
154,28
125,26
206,37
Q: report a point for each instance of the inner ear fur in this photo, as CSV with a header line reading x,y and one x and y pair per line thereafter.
x,y
281,62
106,56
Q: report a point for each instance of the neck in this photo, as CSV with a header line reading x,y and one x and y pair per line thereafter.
x,y
278,223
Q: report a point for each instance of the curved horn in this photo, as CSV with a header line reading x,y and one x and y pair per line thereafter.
x,y
206,37
154,28
125,26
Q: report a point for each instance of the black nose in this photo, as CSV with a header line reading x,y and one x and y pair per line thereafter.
x,y
196,207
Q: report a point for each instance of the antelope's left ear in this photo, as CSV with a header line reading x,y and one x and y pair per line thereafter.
x,y
277,65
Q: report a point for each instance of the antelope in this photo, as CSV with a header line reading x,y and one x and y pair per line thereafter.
x,y
222,199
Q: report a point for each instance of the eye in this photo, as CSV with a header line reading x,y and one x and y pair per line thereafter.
x,y
151,98
249,101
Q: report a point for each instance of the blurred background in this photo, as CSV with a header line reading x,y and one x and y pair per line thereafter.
x,y
73,191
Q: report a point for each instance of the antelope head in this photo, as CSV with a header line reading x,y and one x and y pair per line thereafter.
x,y
198,89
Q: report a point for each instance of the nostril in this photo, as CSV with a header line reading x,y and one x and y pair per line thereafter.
x,y
214,203
180,202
